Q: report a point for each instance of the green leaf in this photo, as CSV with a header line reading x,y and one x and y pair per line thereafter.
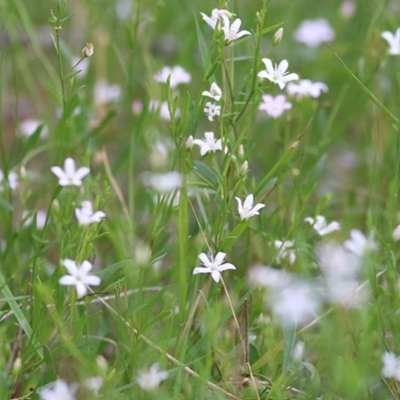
x,y
206,174
112,269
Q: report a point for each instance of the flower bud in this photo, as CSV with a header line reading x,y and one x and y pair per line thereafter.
x,y
241,151
189,142
244,168
88,50
278,36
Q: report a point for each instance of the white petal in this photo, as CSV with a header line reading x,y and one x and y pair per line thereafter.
x,y
201,270
226,266
204,259
219,258
248,203
216,276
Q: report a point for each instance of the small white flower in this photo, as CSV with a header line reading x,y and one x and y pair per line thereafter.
x,y
177,76
358,244
306,88
86,216
393,41
208,145
348,8
70,176
13,180
29,126
277,74
314,32
396,233
391,366
247,210
164,182
231,31
321,227
213,266
278,36
40,219
212,110
152,378
105,93
58,390
79,276
274,106
285,249
215,92
216,17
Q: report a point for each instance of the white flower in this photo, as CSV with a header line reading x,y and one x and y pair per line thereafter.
x,y
177,76
58,390
79,276
40,219
86,216
278,36
164,182
272,278
314,32
358,244
213,266
212,110
247,210
216,17
105,93
210,144
152,378
277,75
306,88
285,249
70,176
13,180
348,8
94,384
231,31
274,106
215,92
391,366
321,227
29,126
393,41
396,233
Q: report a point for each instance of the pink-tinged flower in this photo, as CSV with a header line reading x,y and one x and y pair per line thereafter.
x,y
79,276
348,8
29,126
306,88
213,266
274,106
70,176
86,216
177,76
393,41
166,182
216,17
208,145
105,93
231,31
215,92
277,75
286,249
321,227
358,244
152,378
58,390
246,210
212,110
314,32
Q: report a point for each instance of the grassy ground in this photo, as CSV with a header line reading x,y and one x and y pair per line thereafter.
x,y
305,314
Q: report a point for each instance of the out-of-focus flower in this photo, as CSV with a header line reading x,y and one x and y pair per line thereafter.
x,y
274,106
163,182
231,31
247,210
298,351
79,276
29,126
177,76
348,8
13,180
215,92
212,110
396,233
210,144
40,219
358,244
393,41
142,253
286,248
151,379
321,227
278,36
277,74
159,155
163,108
306,88
272,278
216,17
58,390
391,366
314,32
123,9
105,93
137,106
86,216
213,266
94,384
70,176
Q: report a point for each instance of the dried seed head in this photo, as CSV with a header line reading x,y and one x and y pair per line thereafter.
x,y
88,50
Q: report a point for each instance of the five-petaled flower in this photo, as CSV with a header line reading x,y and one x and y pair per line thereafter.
x,y
152,378
212,110
213,266
231,31
210,144
215,92
70,176
277,74
246,210
274,106
306,88
216,17
86,216
79,276
393,41
58,390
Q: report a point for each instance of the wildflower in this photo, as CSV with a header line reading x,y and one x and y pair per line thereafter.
x,y
391,366
274,106
396,233
278,36
277,75
247,210
86,216
314,32
79,276
58,390
212,110
29,126
358,244
152,378
213,266
306,88
272,278
348,8
216,17
321,227
177,76
285,249
105,93
88,50
231,31
70,176
13,180
163,182
210,144
40,219
393,41
215,92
